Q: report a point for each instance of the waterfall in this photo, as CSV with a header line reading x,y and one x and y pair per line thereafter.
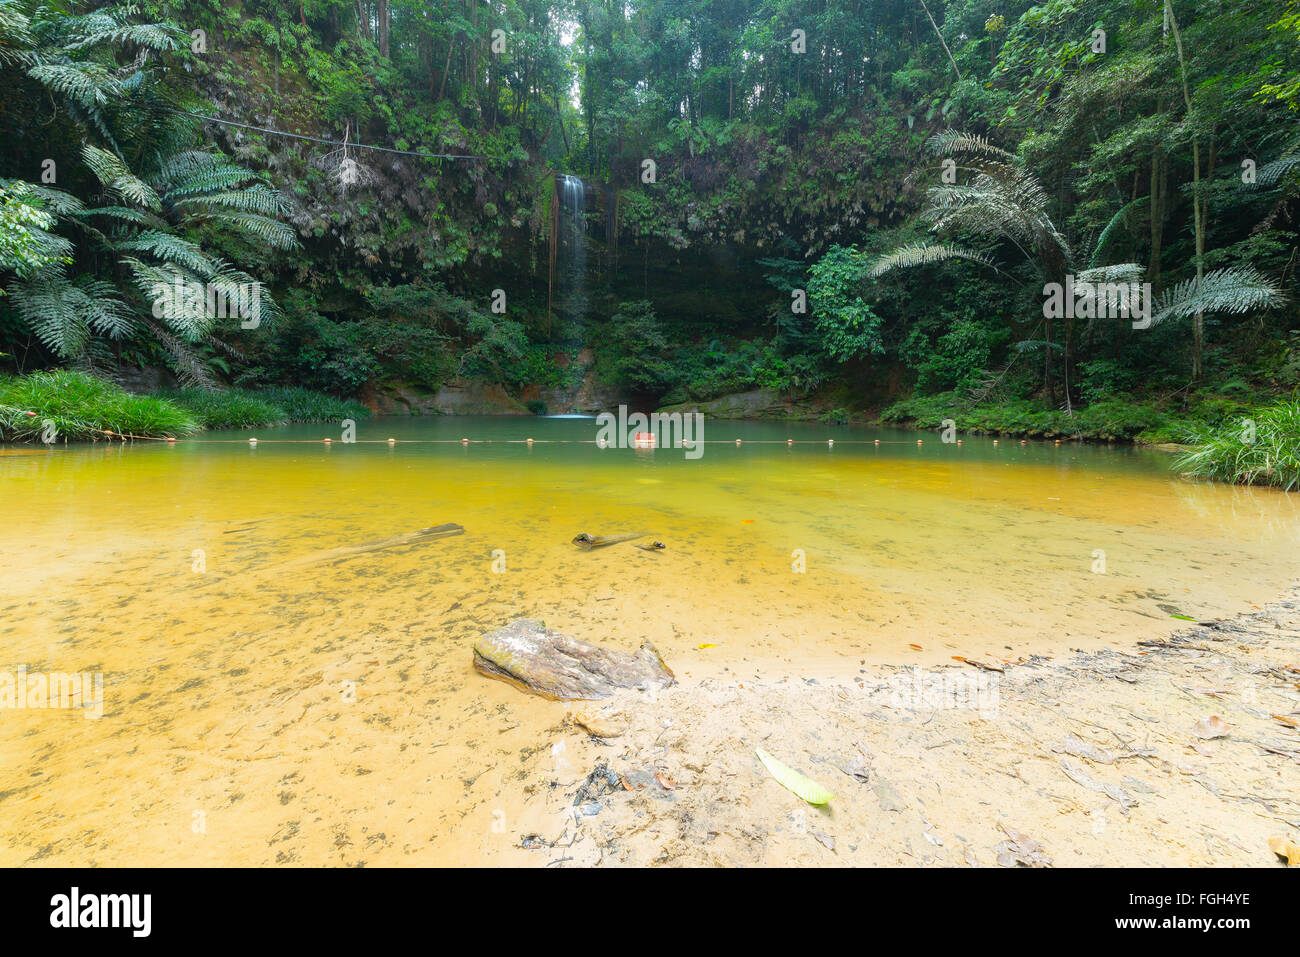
x,y
572,224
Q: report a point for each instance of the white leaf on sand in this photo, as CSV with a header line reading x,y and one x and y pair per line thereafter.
x,y
1211,727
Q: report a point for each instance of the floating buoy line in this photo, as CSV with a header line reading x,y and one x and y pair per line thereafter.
x,y
601,443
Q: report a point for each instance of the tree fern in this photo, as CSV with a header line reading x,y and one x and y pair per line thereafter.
x,y
171,249
1234,290
951,142
113,174
925,254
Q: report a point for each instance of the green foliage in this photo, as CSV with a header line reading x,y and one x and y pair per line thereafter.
x,y
960,359
847,326
82,407
636,346
1262,448
245,409
227,408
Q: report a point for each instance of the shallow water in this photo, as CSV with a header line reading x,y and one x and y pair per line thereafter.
x,y
262,706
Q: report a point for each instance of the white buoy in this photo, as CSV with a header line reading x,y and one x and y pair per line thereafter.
x,y
392,441
252,441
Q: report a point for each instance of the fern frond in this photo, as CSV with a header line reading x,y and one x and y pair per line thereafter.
x,y
1270,173
252,226
172,249
951,142
252,199
925,254
113,174
1235,290
1121,273
1119,219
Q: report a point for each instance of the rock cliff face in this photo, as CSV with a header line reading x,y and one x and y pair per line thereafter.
x,y
755,404
476,397
458,397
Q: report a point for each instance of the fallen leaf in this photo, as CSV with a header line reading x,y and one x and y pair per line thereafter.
x,y
912,644
1288,849
793,781
1212,727
1289,722
665,781
706,645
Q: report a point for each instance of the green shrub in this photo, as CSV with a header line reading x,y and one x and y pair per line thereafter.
x,y
82,407
307,405
227,408
1260,449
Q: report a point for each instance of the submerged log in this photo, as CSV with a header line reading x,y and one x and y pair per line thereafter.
x,y
417,537
533,658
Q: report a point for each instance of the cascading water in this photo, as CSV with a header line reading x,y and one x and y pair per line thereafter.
x,y
572,224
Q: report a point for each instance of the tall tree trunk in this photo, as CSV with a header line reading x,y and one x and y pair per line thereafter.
x,y
1198,320
1156,208
383,27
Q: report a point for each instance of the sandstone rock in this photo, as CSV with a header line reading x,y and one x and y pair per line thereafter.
x,y
535,658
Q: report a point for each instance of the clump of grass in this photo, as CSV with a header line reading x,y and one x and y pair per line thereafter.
x,y
82,407
247,409
1260,449
228,408
304,405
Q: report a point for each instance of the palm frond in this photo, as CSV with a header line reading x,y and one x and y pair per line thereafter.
x,y
1236,290
925,254
951,142
1120,273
